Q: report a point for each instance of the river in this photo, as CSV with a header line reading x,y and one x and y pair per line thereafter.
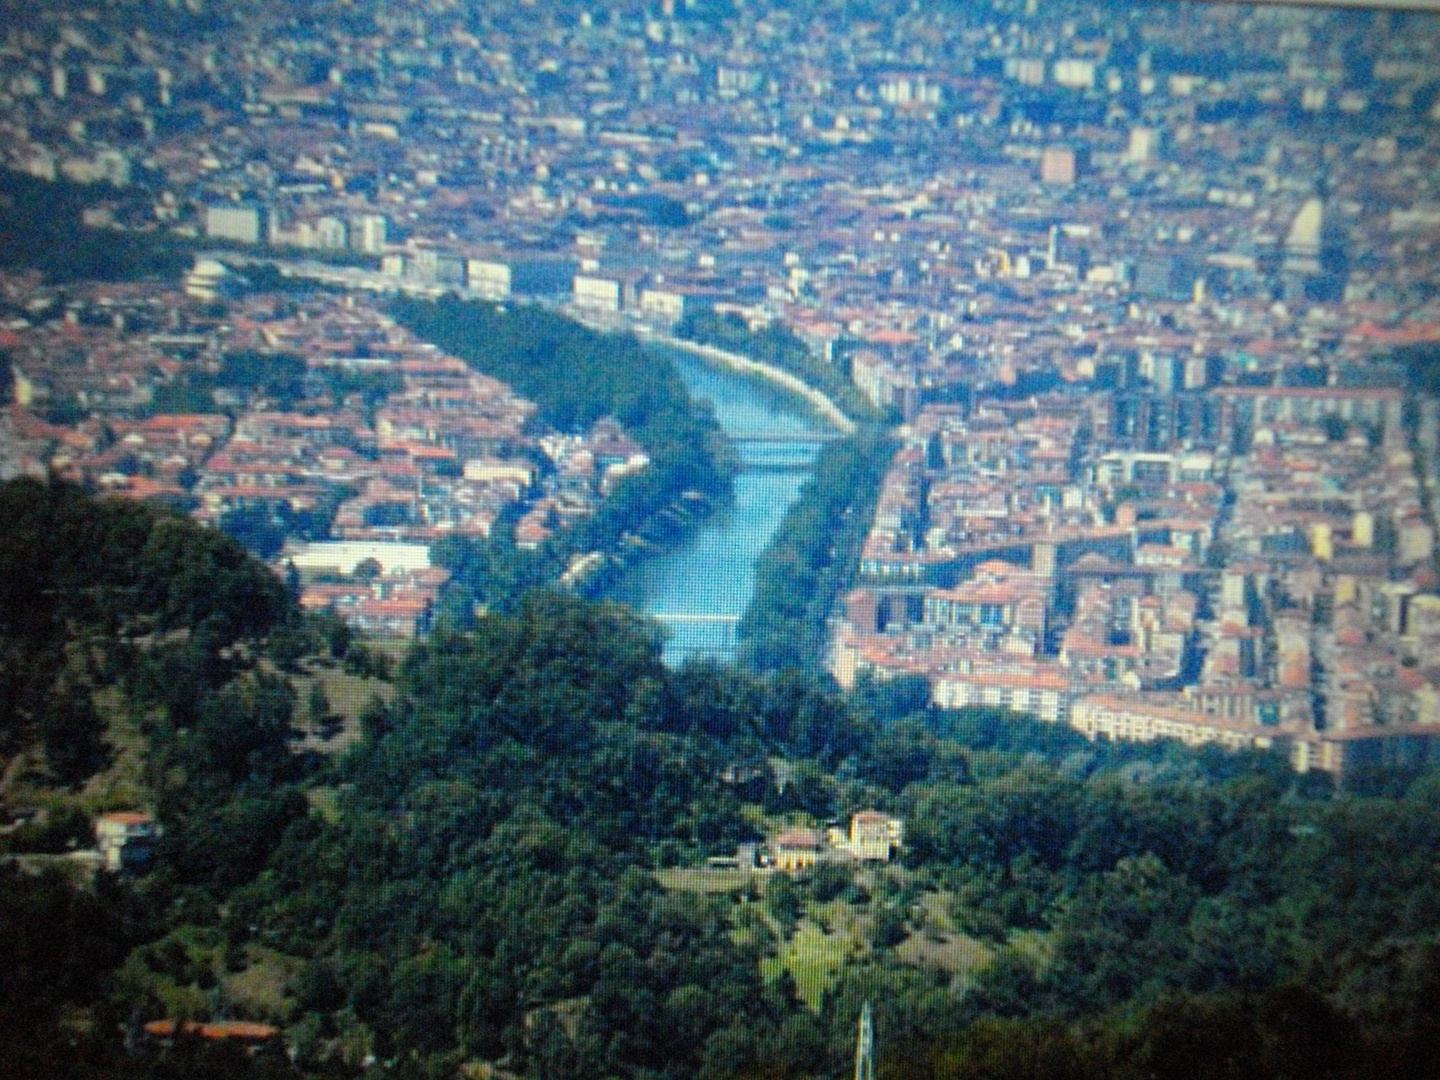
x,y
699,590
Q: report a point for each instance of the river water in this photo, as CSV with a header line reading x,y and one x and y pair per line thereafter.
x,y
699,590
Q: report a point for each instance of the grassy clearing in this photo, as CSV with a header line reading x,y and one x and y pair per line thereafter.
x,y
938,944
395,648
1035,946
844,921
701,880
348,696
121,785
961,956
325,801
265,989
813,958
26,783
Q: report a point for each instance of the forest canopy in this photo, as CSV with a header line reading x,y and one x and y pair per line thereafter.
x,y
578,376
507,868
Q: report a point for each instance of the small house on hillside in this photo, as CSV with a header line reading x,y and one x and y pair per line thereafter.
x,y
126,840
874,835
796,849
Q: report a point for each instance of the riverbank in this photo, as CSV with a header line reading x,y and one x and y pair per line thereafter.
x,y
822,404
576,377
801,550
811,560
701,588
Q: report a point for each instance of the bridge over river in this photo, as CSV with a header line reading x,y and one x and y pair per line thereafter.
x,y
714,633
698,590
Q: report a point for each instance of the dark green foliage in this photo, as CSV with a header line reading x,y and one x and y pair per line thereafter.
x,y
1286,1032
783,901
993,1050
371,387
317,706
72,733
547,676
828,881
888,929
367,662
225,781
57,942
528,774
892,699
263,528
262,533
906,754
1290,1031
576,376
164,614
1422,366
1006,731
41,229
84,582
812,558
487,865
654,208
276,377
65,410
480,885
192,392
60,831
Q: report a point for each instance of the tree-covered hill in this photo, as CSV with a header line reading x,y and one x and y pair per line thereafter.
x,y
86,585
506,874
120,616
484,886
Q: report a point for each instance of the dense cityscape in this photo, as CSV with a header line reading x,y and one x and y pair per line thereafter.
x,y
1134,303
1115,332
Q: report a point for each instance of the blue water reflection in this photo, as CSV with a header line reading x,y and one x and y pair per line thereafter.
x,y
700,589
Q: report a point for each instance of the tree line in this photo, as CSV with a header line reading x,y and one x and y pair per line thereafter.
x,y
814,555
776,345
577,376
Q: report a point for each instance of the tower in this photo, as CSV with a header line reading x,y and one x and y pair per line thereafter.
x,y
865,1047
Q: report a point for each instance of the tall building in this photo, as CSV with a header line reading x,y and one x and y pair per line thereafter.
x,y
1303,241
1142,145
331,234
490,279
1076,74
437,268
1026,72
595,293
367,233
1301,272
240,223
